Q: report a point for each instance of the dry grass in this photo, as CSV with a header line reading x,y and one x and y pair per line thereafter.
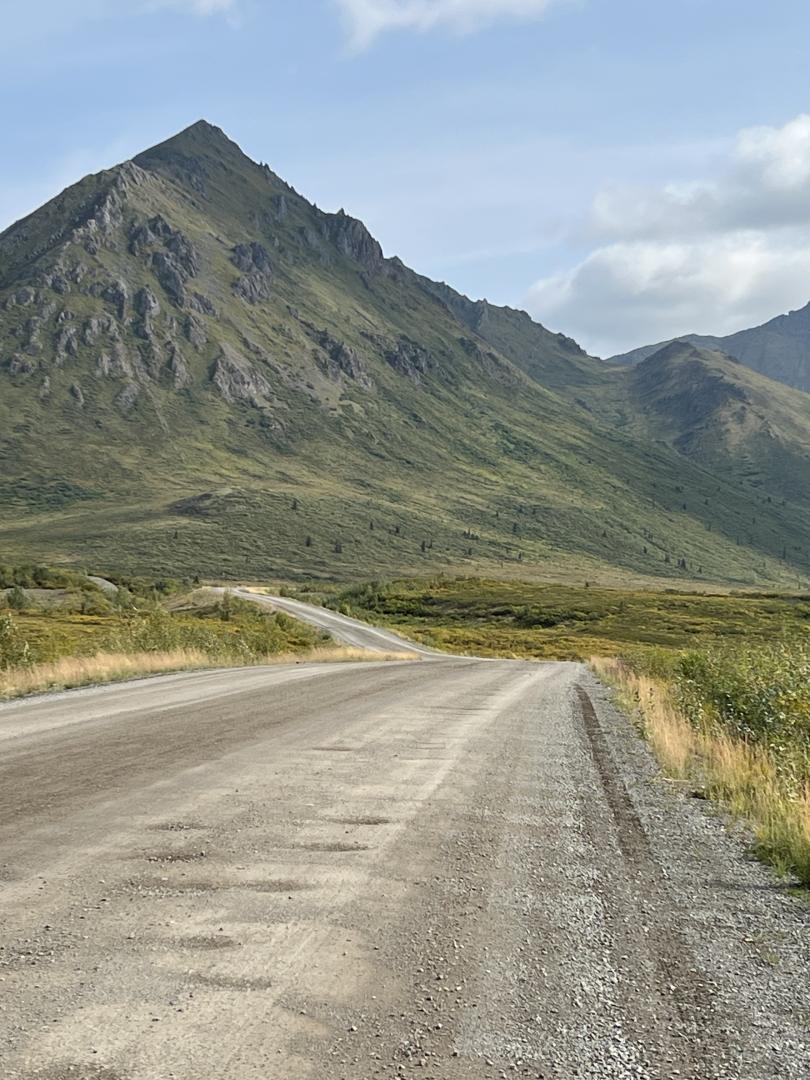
x,y
73,671
337,654
70,671
742,778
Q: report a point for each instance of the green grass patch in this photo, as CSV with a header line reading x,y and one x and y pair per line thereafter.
x,y
554,621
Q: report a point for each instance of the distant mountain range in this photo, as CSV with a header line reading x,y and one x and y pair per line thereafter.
x,y
203,373
779,348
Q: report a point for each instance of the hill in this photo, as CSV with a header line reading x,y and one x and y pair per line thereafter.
x,y
202,372
780,348
714,410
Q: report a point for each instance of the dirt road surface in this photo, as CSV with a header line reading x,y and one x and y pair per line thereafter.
x,y
442,870
342,628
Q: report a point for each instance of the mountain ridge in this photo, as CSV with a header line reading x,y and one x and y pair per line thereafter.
x,y
778,348
202,371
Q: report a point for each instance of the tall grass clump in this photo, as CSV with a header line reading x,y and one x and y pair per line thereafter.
x,y
733,722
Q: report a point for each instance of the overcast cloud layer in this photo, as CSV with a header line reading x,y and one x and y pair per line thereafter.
x,y
699,257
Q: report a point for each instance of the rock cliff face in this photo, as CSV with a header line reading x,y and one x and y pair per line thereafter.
x,y
188,323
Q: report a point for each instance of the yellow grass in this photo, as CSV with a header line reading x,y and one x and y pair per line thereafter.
x,y
73,671
743,778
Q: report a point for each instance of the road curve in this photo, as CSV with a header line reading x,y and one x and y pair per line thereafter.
x,y
454,871
342,628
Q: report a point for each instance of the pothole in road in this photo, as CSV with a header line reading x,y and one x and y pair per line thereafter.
x,y
69,1071
178,826
332,846
226,982
208,941
180,888
370,820
278,886
174,856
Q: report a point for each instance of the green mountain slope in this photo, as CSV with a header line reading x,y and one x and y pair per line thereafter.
x,y
201,372
714,410
780,348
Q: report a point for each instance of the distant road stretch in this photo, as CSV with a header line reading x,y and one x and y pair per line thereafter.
x,y
343,629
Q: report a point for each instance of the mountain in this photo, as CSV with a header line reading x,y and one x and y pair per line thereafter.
x,y
202,372
714,410
779,348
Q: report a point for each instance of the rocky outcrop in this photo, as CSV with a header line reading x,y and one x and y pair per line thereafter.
x,y
195,332
202,305
353,240
116,293
67,344
181,376
114,364
147,307
21,365
489,362
257,272
336,358
171,255
170,277
409,359
126,400
237,380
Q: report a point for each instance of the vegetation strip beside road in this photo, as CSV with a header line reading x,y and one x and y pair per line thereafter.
x,y
732,725
59,630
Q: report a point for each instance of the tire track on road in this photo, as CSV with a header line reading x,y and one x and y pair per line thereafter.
x,y
674,1009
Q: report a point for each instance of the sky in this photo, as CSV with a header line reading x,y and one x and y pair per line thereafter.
x,y
625,170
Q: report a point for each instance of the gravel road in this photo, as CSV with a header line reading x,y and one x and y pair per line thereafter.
x,y
346,630
444,870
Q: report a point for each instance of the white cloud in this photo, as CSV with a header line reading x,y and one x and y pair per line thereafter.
x,y
701,257
367,19
194,7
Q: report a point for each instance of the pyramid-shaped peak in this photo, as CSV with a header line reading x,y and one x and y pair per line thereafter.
x,y
201,139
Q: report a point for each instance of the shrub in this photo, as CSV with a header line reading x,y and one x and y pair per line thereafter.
x,y
16,599
758,694
14,649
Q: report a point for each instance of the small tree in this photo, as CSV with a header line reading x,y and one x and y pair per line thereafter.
x,y
16,598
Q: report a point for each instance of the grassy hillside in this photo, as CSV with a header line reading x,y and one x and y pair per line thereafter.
x,y
732,420
201,372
